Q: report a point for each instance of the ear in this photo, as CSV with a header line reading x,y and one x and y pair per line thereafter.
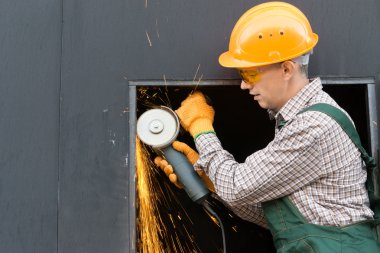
x,y
288,69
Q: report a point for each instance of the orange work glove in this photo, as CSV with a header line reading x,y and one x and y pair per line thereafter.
x,y
196,115
192,156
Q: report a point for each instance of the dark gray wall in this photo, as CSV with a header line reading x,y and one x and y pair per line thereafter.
x,y
30,48
65,65
93,171
196,32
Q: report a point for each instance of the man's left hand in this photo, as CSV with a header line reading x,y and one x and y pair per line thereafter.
x,y
196,115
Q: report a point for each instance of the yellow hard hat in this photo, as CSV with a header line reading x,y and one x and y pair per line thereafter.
x,y
268,33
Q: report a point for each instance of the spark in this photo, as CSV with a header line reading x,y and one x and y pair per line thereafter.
x,y
196,72
148,218
196,86
145,96
213,219
158,35
151,97
166,93
155,234
171,218
126,160
163,223
147,35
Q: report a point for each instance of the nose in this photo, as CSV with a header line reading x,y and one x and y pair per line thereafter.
x,y
245,86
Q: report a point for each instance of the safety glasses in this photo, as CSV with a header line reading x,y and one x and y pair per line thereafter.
x,y
250,76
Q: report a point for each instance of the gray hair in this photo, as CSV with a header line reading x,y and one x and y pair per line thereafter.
x,y
304,69
303,62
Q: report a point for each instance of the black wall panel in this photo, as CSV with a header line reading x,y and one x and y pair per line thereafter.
x,y
93,153
185,34
30,48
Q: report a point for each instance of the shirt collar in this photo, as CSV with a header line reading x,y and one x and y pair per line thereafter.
x,y
298,102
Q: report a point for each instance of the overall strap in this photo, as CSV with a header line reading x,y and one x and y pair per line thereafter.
x,y
372,171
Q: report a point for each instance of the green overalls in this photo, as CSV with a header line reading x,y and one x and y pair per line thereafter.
x,y
293,234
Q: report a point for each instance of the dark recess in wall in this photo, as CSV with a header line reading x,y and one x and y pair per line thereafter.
x,y
243,128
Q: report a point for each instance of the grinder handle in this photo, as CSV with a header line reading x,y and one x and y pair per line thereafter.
x,y
185,172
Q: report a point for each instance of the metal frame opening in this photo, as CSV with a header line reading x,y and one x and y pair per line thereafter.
x,y
371,111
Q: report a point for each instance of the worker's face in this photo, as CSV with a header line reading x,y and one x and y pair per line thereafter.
x,y
267,85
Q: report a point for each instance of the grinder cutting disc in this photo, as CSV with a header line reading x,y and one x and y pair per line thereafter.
x,y
158,127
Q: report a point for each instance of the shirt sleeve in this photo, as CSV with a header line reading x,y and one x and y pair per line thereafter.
x,y
249,212
291,161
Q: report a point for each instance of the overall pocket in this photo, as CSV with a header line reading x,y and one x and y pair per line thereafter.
x,y
312,244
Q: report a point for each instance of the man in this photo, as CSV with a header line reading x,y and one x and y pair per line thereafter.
x,y
308,185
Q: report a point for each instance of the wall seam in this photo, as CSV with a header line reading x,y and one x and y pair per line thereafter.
x,y
59,122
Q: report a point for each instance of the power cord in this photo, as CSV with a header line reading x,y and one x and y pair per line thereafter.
x,y
208,208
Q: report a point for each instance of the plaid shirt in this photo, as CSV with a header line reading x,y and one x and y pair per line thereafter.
x,y
310,159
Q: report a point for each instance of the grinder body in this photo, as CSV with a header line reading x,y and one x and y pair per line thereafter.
x,y
158,128
186,174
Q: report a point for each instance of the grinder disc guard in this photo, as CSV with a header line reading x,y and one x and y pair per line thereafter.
x,y
158,127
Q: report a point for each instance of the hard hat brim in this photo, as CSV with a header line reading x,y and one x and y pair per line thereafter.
x,y
227,60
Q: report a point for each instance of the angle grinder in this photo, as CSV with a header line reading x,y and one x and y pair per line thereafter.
x,y
158,128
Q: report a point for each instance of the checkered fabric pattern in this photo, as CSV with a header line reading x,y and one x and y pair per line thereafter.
x,y
311,160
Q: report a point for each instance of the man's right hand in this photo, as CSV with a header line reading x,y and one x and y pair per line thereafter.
x,y
192,156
